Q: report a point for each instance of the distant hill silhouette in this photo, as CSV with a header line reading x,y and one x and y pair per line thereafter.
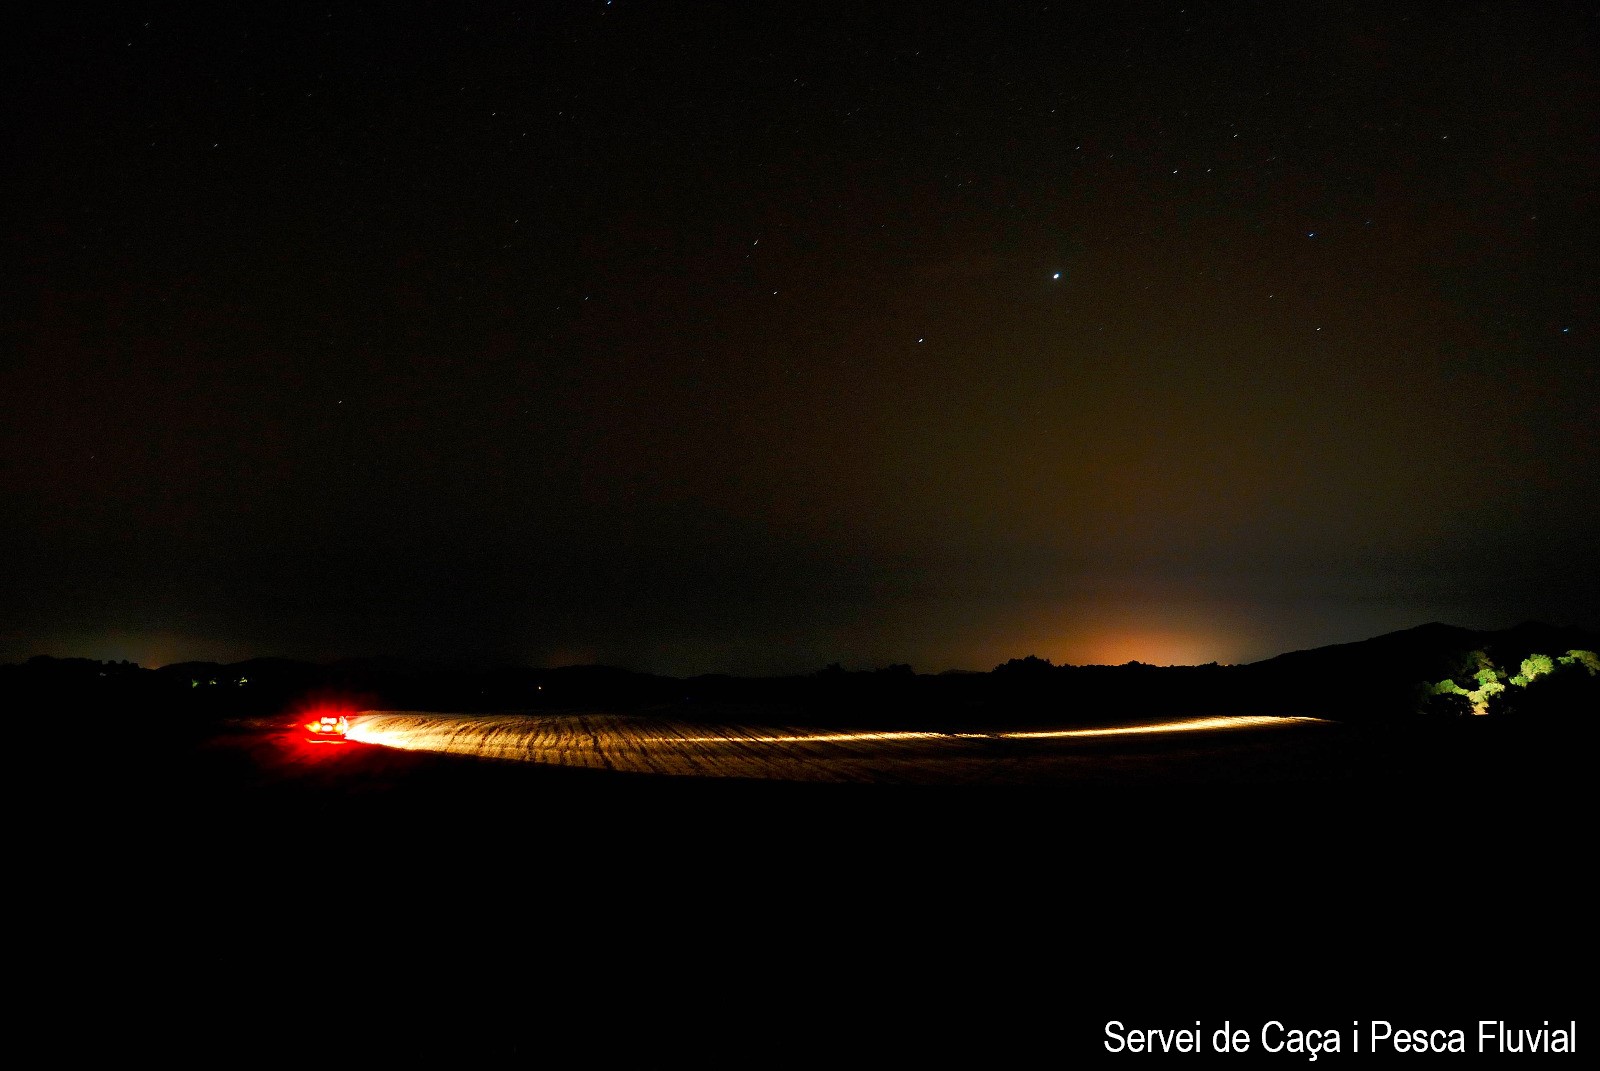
x,y
1378,677
1393,676
1432,642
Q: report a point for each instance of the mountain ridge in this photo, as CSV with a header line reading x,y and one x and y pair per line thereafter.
x,y
1433,667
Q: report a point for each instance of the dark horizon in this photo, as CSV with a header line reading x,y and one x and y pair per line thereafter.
x,y
748,341
1428,633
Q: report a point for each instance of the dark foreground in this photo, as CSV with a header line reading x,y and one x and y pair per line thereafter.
x,y
466,910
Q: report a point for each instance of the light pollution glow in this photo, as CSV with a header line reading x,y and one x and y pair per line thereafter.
x,y
1155,623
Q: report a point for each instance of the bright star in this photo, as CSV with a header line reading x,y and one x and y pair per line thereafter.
x,y
1057,275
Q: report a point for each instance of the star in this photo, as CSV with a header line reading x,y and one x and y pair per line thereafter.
x,y
1057,275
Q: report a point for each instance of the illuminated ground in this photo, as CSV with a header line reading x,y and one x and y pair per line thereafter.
x,y
518,841
1195,748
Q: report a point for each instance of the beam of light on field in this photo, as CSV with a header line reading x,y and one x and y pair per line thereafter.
x,y
642,743
1189,725
447,733
811,738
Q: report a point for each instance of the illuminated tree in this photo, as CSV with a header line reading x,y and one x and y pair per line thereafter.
x,y
1587,659
1479,687
1476,678
1534,667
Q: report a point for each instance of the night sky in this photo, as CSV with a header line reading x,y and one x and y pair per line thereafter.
x,y
753,337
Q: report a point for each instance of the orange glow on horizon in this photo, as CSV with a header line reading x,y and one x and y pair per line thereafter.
x,y
1152,646
1133,621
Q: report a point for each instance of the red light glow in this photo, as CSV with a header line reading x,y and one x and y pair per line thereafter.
x,y
327,728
